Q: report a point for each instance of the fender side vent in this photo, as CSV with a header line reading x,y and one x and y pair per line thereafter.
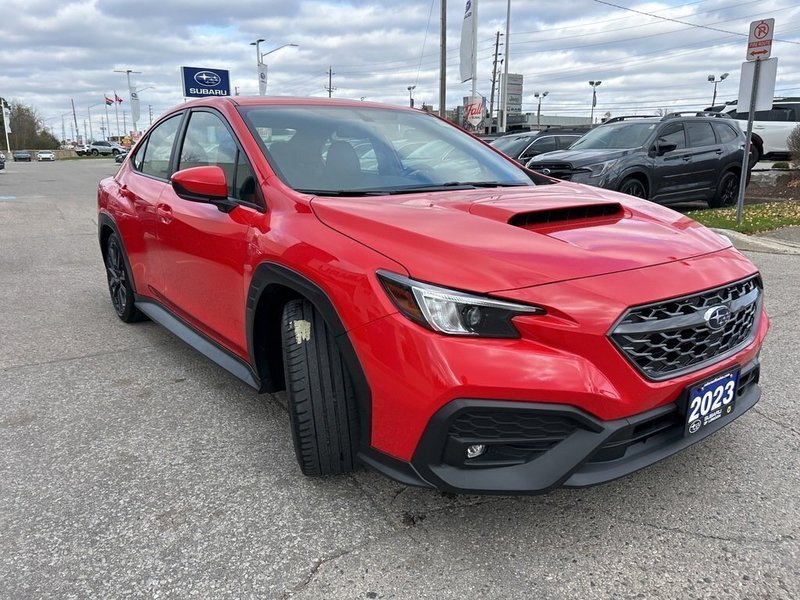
x,y
570,213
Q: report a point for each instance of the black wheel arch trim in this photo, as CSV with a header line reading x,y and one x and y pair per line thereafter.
x,y
270,273
103,221
636,173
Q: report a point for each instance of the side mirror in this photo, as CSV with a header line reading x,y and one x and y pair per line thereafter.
x,y
203,184
663,147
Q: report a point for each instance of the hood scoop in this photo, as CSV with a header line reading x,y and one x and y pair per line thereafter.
x,y
574,215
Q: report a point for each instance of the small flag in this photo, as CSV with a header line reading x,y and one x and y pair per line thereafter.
x,y
117,98
108,100
594,98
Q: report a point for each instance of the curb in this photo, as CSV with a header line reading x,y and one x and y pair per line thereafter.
x,y
758,244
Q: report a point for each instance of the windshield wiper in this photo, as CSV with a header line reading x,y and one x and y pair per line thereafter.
x,y
344,192
434,187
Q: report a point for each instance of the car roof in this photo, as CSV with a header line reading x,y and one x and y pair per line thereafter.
x,y
288,101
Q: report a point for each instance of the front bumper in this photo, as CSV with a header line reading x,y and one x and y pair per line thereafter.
x,y
568,448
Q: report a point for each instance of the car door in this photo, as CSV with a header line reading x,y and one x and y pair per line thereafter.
x,y
141,183
205,250
671,177
706,154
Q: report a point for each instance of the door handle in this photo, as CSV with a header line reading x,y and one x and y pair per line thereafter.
x,y
164,212
718,151
686,157
125,192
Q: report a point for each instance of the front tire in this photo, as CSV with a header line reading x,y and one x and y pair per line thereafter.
x,y
322,405
727,191
95,152
120,285
633,187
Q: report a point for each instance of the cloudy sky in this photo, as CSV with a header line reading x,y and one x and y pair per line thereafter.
x,y
53,52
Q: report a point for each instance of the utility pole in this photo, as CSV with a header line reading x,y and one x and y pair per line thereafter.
x,y
150,108
75,120
443,62
494,76
505,69
63,131
330,87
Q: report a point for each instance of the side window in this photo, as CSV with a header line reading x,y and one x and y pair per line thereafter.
x,y
700,134
208,142
138,155
565,141
158,151
725,132
673,134
540,146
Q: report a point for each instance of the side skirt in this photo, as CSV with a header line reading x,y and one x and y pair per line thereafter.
x,y
210,349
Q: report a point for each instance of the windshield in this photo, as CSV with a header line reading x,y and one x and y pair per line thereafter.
x,y
512,145
340,150
615,136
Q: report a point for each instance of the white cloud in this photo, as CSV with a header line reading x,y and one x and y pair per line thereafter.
x,y
52,55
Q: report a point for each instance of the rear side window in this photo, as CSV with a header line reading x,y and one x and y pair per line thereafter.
x,y
158,151
725,132
700,134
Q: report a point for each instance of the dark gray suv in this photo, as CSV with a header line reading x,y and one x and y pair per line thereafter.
x,y
676,158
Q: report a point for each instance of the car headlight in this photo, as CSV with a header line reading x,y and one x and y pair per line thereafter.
x,y
601,168
453,312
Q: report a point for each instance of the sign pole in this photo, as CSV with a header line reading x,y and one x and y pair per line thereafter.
x,y
746,157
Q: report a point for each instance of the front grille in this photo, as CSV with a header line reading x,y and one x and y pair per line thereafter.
x,y
673,337
558,170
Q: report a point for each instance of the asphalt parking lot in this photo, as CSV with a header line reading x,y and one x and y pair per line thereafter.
x,y
131,466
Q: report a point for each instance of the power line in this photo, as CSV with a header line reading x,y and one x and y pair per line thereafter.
x,y
647,14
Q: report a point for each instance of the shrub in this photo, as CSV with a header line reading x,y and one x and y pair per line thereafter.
x,y
782,164
794,145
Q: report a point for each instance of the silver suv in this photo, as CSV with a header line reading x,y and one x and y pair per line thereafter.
x,y
771,128
103,147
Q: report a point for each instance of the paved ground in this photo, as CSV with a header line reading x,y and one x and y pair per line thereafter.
x,y
130,466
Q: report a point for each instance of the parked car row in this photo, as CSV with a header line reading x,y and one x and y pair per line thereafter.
x,y
676,158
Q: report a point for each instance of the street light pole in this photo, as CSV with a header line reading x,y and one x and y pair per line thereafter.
x,y
131,96
594,85
263,64
539,109
715,81
411,89
257,44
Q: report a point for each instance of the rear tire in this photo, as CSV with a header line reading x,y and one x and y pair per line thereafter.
x,y
120,284
322,405
633,187
95,152
727,193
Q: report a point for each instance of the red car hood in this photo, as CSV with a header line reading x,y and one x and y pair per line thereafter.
x,y
506,238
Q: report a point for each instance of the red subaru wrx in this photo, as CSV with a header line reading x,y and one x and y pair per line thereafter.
x,y
432,309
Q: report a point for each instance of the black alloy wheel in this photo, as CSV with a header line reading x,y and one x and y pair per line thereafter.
x,y
119,282
727,191
633,187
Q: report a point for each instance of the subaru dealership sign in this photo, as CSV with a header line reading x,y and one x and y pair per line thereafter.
x,y
201,83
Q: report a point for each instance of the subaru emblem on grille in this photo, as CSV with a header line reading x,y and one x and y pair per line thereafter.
x,y
717,316
546,171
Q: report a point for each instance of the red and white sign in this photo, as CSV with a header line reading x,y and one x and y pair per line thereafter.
x,y
473,112
759,44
